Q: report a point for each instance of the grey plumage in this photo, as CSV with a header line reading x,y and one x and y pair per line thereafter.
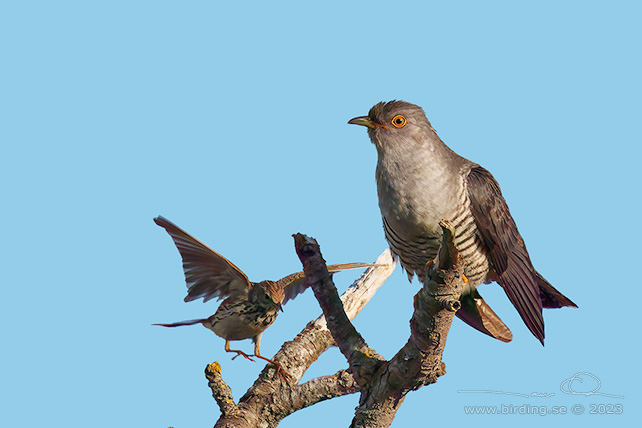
x,y
420,181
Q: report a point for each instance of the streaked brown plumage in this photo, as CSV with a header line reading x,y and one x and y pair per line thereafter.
x,y
248,307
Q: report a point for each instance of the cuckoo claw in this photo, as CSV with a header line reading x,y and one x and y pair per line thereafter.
x,y
464,278
428,264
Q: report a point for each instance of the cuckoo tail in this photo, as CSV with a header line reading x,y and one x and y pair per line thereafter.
x,y
551,298
476,313
181,323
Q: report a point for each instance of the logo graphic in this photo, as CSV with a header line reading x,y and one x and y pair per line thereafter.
x,y
581,383
592,381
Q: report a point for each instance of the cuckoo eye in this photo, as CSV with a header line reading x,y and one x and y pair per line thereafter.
x,y
398,121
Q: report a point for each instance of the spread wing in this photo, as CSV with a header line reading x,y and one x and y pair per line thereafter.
x,y
508,256
295,284
207,273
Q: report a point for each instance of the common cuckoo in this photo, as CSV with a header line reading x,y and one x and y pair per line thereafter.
x,y
420,181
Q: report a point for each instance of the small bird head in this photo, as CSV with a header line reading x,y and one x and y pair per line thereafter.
x,y
395,121
269,294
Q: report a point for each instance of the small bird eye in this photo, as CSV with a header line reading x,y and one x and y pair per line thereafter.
x,y
398,121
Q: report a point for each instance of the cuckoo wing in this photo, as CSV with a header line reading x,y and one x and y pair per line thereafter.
x,y
550,297
505,247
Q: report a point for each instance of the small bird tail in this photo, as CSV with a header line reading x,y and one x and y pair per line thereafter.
x,y
181,323
551,298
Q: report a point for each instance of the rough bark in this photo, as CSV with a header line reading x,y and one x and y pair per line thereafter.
x,y
271,398
418,363
221,392
362,359
382,384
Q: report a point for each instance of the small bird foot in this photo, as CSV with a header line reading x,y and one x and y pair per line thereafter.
x,y
241,353
280,371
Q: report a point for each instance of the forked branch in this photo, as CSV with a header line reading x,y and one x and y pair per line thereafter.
x,y
382,384
271,398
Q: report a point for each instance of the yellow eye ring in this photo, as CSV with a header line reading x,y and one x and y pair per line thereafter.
x,y
398,121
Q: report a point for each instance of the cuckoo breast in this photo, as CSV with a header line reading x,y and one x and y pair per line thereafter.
x,y
468,242
411,210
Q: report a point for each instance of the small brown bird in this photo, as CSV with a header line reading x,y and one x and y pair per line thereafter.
x,y
249,307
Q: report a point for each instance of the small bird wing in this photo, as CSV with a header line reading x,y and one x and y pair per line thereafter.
x,y
476,313
296,283
207,273
508,256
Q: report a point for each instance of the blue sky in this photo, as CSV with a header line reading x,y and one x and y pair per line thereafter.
x,y
230,120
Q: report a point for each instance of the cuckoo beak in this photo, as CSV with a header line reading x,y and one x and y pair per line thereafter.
x,y
280,307
365,121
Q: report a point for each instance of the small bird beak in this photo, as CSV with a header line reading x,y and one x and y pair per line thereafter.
x,y
280,307
365,121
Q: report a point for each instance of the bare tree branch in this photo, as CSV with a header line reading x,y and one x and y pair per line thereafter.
x,y
359,294
221,392
323,388
363,360
418,363
382,384
270,399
